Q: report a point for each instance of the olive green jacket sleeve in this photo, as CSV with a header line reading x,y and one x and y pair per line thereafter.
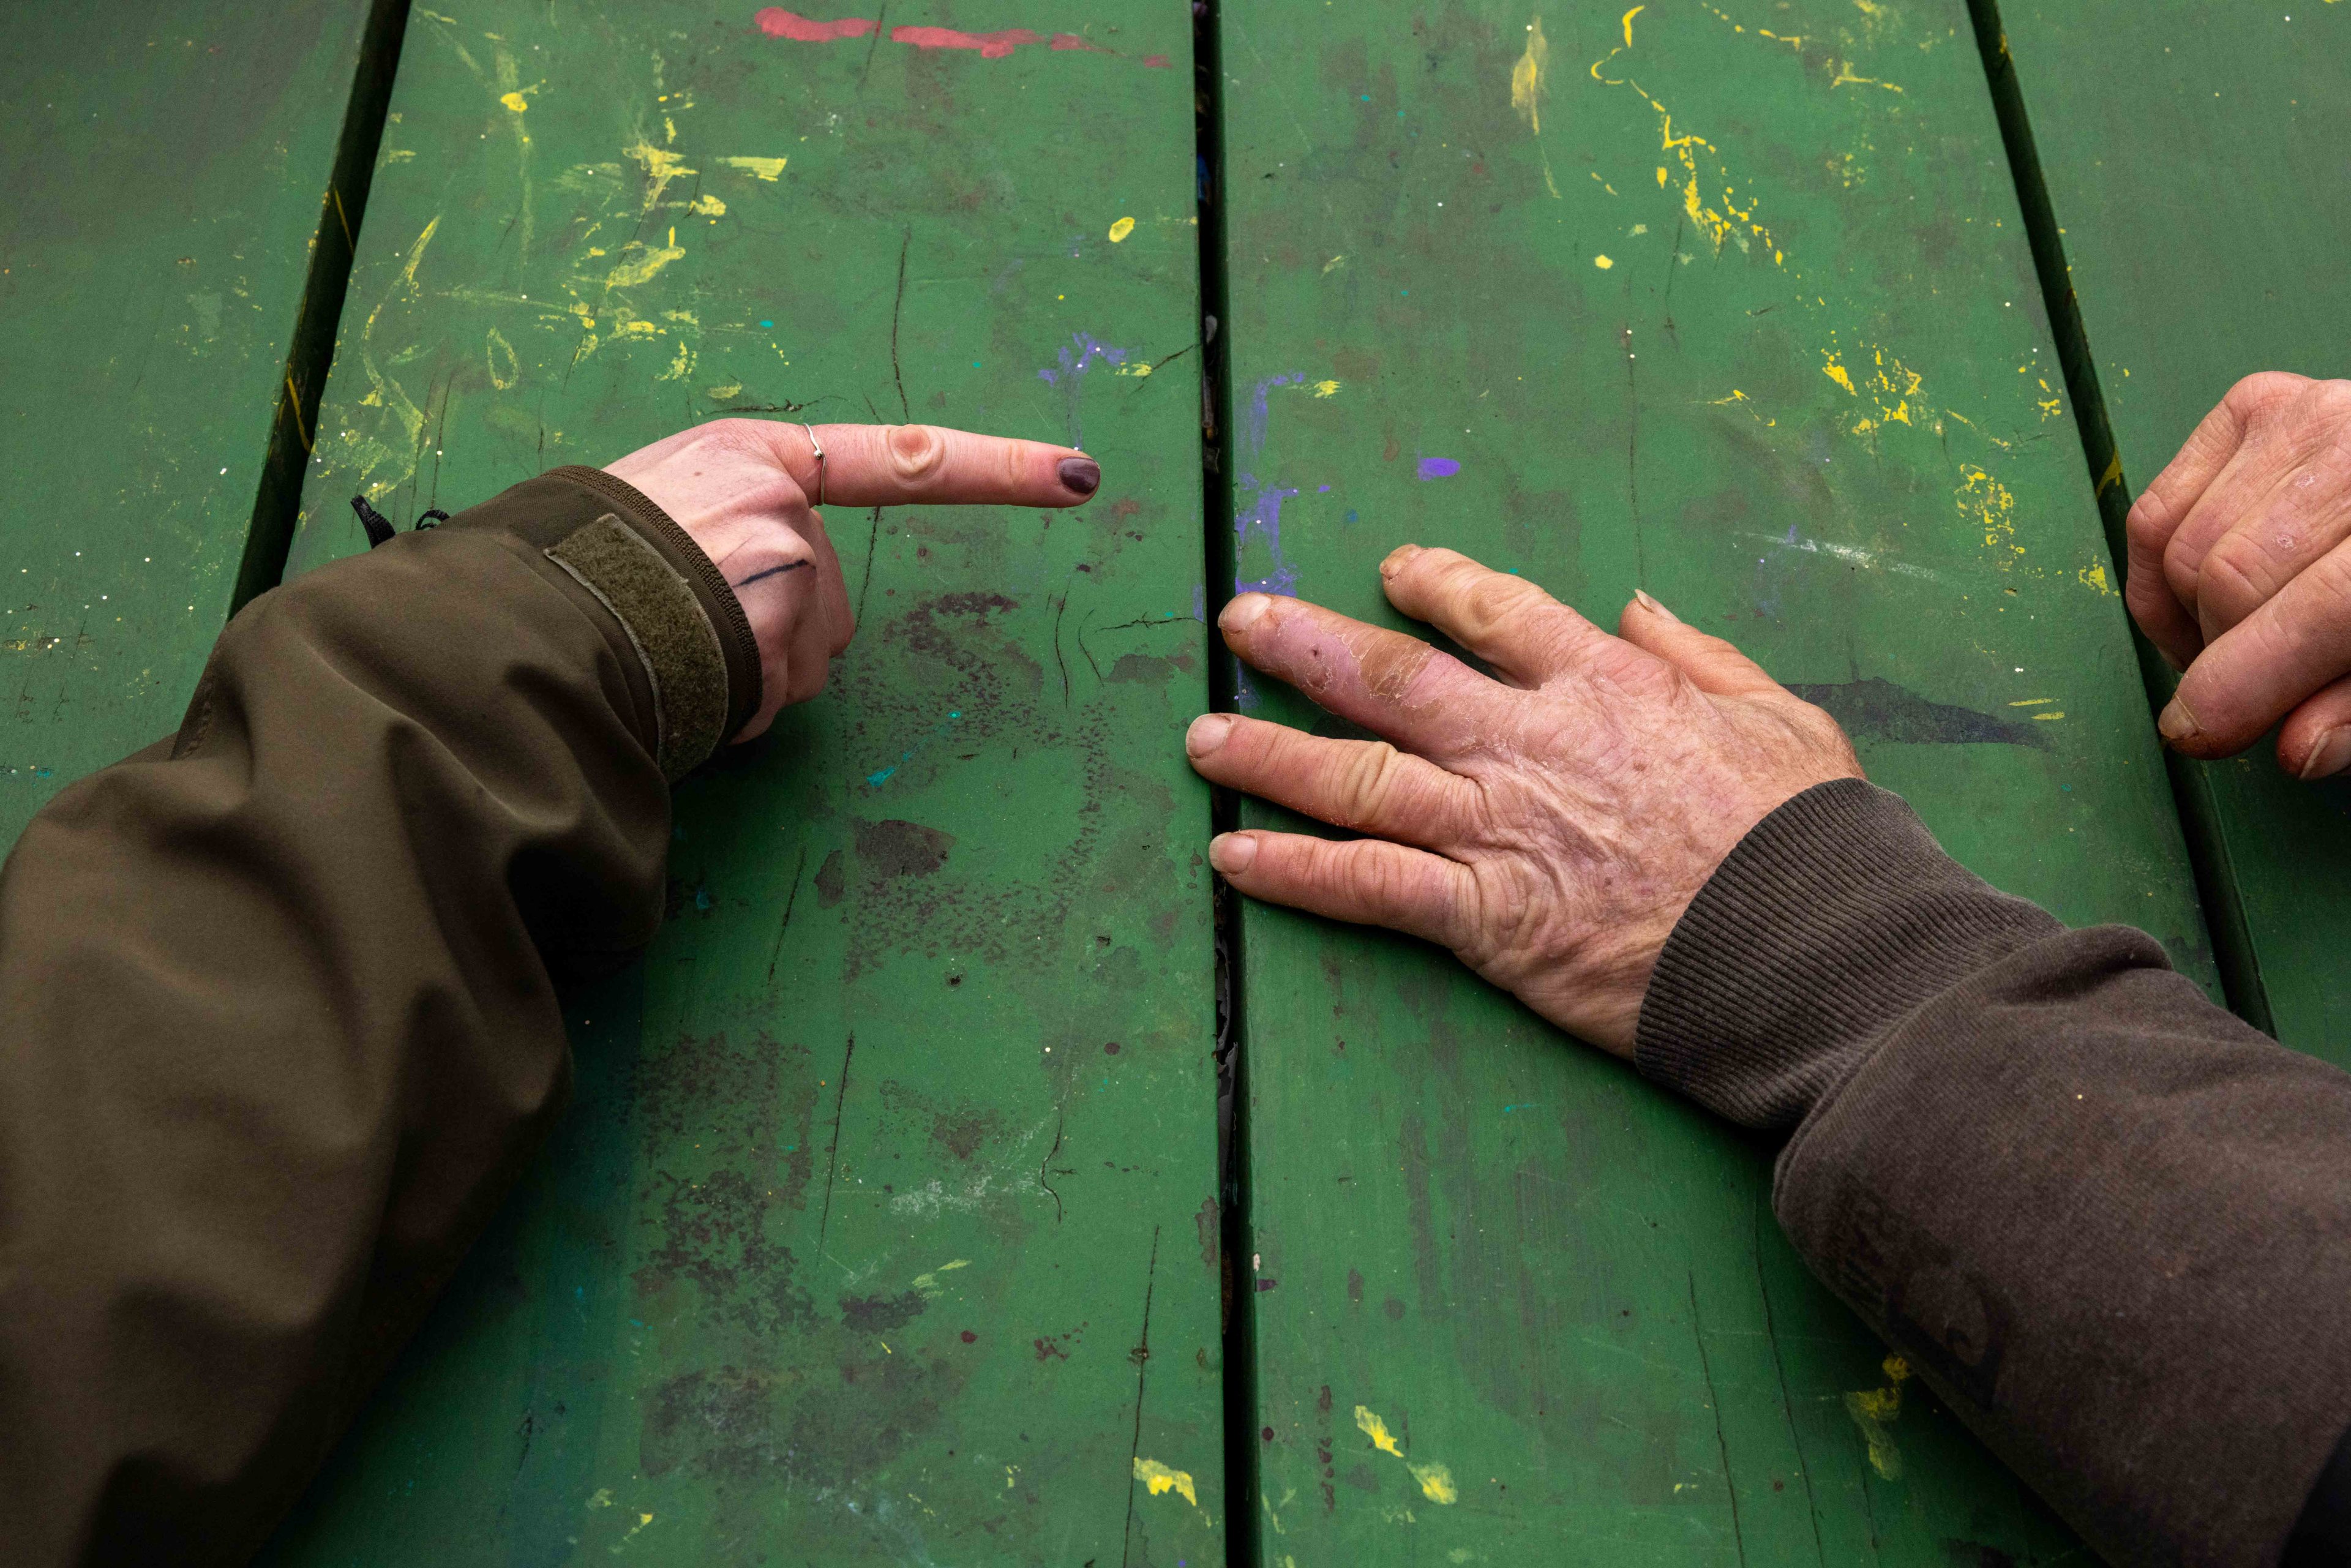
x,y
276,1022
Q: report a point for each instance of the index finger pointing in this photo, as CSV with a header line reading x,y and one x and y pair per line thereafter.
x,y
901,464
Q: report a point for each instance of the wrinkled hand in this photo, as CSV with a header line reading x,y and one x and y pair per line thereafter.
x,y
1549,826
740,488
2240,573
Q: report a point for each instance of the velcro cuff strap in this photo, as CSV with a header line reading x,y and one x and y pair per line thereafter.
x,y
684,661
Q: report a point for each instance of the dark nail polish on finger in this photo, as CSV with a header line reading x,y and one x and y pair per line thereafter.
x,y
1080,476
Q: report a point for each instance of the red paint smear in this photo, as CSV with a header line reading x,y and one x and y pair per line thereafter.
x,y
991,45
1154,62
778,22
1071,41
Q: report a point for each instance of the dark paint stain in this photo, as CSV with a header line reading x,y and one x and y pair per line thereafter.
x,y
1880,710
880,1314
1205,1223
1356,1286
1393,1308
897,847
961,1133
829,881
719,1421
1361,1479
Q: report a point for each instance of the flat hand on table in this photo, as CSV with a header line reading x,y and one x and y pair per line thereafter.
x,y
741,487
2240,573
1549,826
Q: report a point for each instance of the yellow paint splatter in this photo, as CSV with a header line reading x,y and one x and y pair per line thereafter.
x,y
1333,264
1120,229
506,368
928,1285
1140,368
1629,23
1985,502
1377,1431
1603,263
1847,77
662,165
515,101
1735,396
720,394
1436,1483
603,1498
649,260
2046,717
1159,1478
1527,84
1326,389
1874,1409
709,206
677,371
1834,370
2114,474
757,168
2094,576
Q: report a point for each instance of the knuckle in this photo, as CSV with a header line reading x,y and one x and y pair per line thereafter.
x,y
2236,574
918,451
2264,389
1368,783
2149,523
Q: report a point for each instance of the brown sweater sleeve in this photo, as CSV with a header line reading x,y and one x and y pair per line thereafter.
x,y
276,1022
2108,1222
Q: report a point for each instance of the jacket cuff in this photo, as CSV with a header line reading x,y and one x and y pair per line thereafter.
x,y
1837,916
697,662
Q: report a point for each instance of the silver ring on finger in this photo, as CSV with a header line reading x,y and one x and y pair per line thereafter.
x,y
817,447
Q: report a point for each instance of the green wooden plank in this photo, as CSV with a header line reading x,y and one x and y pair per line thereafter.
x,y
1729,301
772,1297
165,169
2244,107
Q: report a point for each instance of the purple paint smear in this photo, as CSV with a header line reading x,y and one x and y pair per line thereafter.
x,y
1085,351
1438,468
1262,517
1263,521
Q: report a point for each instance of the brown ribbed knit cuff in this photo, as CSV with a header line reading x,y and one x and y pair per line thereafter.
x,y
1829,922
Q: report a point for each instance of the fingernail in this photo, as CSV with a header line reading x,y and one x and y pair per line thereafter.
x,y
1231,853
1080,476
2329,756
2176,723
1208,733
1653,607
1396,559
1245,612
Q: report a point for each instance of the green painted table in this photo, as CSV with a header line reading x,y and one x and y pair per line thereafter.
x,y
165,171
1731,302
883,1226
2247,107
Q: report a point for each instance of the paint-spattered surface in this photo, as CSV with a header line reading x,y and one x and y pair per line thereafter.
x,y
2247,107
1731,302
165,168
881,1229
